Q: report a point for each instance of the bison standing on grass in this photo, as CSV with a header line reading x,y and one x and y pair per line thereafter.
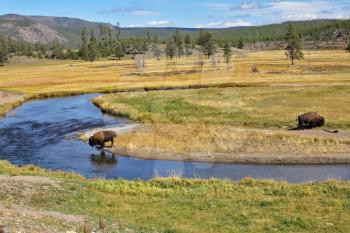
x,y
310,120
100,138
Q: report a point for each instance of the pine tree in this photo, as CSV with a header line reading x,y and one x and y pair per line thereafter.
x,y
178,41
119,50
294,44
105,49
240,44
93,52
83,52
156,39
118,31
110,39
139,45
148,37
3,51
188,45
170,49
72,55
207,43
227,54
40,50
56,49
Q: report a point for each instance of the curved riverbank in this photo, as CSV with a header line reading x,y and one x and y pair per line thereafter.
x,y
205,126
159,154
9,101
144,148
47,138
155,153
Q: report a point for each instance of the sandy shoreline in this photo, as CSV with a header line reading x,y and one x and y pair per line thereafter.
x,y
7,97
158,154
8,101
244,158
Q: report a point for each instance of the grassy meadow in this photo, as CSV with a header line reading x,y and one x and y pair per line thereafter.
x,y
206,120
233,120
256,107
73,77
250,115
173,204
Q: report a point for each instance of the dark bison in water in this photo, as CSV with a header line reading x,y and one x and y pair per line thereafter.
x,y
99,138
310,120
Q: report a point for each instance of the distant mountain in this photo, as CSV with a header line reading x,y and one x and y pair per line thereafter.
x,y
45,29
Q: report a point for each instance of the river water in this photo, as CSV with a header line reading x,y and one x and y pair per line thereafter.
x,y
43,133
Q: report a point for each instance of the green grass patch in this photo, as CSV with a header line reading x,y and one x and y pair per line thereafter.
x,y
262,107
193,205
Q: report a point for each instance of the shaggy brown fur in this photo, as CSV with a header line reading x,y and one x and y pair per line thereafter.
x,y
310,120
99,138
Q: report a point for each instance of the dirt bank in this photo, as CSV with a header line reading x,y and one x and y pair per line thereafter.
x,y
18,216
7,97
8,101
147,152
159,154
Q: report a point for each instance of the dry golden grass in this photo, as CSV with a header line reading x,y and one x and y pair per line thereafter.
x,y
199,138
318,68
319,82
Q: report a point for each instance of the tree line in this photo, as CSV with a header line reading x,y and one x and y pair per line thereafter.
x,y
109,42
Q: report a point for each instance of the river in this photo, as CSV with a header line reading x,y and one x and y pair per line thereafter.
x,y
43,133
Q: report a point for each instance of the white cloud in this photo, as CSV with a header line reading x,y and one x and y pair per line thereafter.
x,y
293,11
297,17
223,24
219,6
160,23
313,6
251,5
232,7
143,13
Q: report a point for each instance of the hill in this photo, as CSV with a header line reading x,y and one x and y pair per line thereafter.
x,y
44,29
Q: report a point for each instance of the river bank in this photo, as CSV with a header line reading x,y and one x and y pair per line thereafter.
x,y
232,125
10,100
37,200
127,146
232,145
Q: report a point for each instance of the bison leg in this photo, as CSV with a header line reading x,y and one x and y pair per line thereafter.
x,y
313,124
300,125
102,145
112,142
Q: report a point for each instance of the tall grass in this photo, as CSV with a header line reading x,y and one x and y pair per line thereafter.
x,y
193,205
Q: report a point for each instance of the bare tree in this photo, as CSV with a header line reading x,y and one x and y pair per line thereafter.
x,y
140,64
198,60
156,51
227,55
215,62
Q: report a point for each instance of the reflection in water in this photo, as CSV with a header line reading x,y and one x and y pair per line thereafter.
x,y
38,133
103,159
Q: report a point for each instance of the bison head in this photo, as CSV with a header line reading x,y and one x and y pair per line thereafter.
x,y
91,141
320,122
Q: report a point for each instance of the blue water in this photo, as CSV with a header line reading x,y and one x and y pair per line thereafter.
x,y
43,133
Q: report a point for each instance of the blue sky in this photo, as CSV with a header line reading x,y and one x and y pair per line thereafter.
x,y
176,13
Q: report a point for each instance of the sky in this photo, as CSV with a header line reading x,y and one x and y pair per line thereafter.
x,y
179,13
